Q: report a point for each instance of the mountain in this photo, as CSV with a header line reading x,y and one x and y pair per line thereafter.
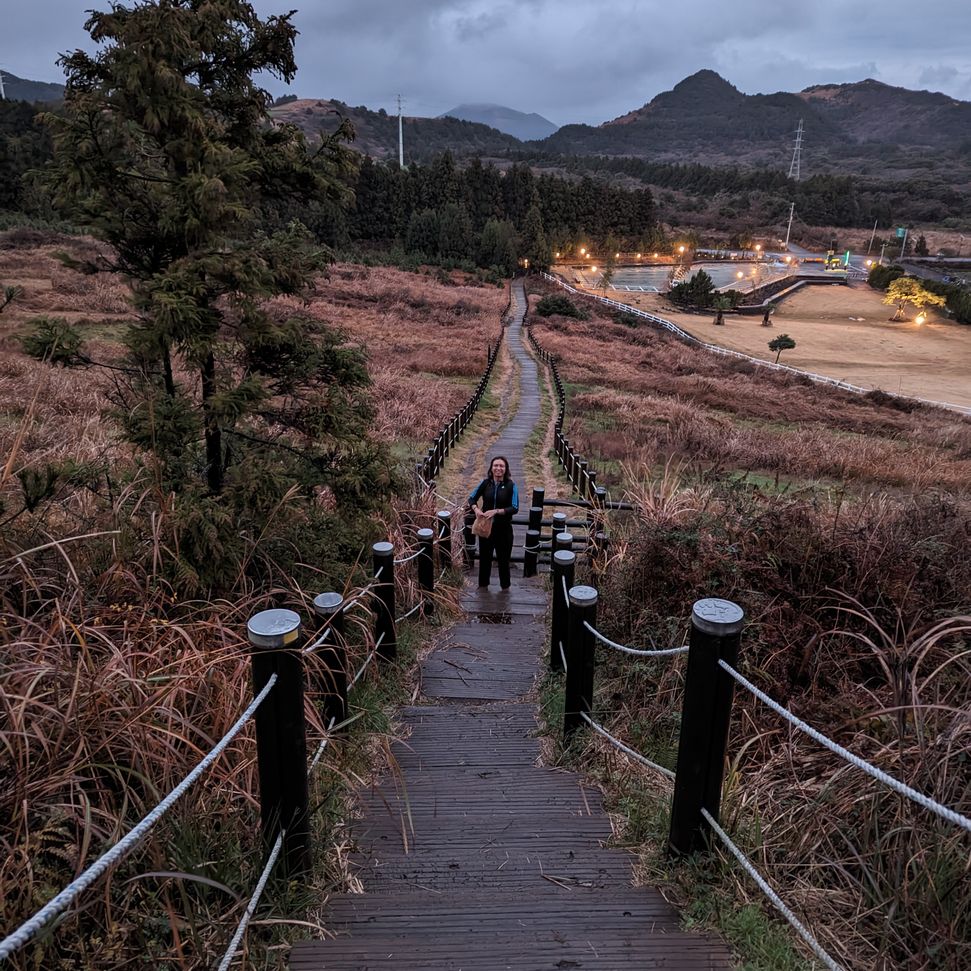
x,y
19,89
516,123
707,120
376,132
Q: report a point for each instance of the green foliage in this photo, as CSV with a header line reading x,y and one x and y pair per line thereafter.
x,y
555,303
7,296
881,275
53,340
781,343
497,245
698,291
165,150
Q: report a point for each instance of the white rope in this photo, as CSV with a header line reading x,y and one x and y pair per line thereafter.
x,y
370,657
417,607
772,895
377,575
319,642
323,745
629,751
405,559
65,898
252,905
888,780
667,652
562,656
566,593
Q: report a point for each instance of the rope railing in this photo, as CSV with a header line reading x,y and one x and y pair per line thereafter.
x,y
626,749
871,770
364,666
414,610
253,904
16,940
663,652
746,865
407,559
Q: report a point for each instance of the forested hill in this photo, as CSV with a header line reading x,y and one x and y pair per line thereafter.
x,y
376,132
20,89
705,119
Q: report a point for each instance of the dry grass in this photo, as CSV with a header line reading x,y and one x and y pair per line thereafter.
x,y
110,689
842,525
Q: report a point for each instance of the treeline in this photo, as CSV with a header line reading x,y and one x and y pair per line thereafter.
x,y
25,145
480,215
822,200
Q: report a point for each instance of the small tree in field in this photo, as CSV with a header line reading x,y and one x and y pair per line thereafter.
x,y
781,343
907,290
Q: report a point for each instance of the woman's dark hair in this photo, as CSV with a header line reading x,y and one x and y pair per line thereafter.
x,y
508,476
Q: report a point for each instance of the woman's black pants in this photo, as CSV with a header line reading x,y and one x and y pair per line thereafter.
x,y
501,542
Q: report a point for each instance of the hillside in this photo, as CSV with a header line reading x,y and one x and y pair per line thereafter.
x,y
377,131
526,127
709,120
20,89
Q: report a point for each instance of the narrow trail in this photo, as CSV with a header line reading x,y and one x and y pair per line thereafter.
x,y
471,855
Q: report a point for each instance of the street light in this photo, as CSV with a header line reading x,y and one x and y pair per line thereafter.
x,y
920,318
758,250
583,251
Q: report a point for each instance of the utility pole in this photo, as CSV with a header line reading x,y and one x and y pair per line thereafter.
x,y
903,245
3,96
795,164
401,140
873,236
792,209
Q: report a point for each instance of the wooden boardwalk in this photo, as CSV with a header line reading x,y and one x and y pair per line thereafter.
x,y
471,855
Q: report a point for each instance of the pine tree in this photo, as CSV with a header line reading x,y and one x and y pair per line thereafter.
x,y
166,152
534,247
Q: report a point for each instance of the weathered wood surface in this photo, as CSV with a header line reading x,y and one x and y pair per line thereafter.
x,y
471,854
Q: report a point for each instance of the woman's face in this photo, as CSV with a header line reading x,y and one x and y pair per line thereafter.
x,y
498,469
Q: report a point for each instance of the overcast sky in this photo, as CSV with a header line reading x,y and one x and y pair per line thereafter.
x,y
569,60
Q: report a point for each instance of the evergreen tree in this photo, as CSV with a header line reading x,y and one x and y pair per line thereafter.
x,y
423,233
166,152
497,246
454,232
534,246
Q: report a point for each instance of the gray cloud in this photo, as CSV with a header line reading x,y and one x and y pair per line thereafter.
x,y
568,60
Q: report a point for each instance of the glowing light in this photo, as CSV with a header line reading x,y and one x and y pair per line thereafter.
x,y
583,251
655,256
616,255
557,255
593,269
680,249
638,255
869,262
920,318
740,274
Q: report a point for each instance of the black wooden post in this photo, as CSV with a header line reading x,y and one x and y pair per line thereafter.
x,y
591,485
426,570
559,523
716,627
535,518
579,659
333,656
562,541
444,518
564,571
539,495
281,738
384,601
530,552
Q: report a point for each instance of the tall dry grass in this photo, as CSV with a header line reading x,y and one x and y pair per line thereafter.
x,y
111,687
842,525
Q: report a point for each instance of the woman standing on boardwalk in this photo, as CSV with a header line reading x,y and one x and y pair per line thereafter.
x,y
500,502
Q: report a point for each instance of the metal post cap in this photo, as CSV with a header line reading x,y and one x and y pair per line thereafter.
x,y
383,548
426,533
273,628
327,603
564,557
583,596
715,616
560,517
444,514
564,539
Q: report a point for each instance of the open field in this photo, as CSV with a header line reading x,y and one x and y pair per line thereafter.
x,y
840,523
845,333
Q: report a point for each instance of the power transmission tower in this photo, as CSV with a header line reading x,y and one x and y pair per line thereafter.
x,y
3,96
796,154
401,140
